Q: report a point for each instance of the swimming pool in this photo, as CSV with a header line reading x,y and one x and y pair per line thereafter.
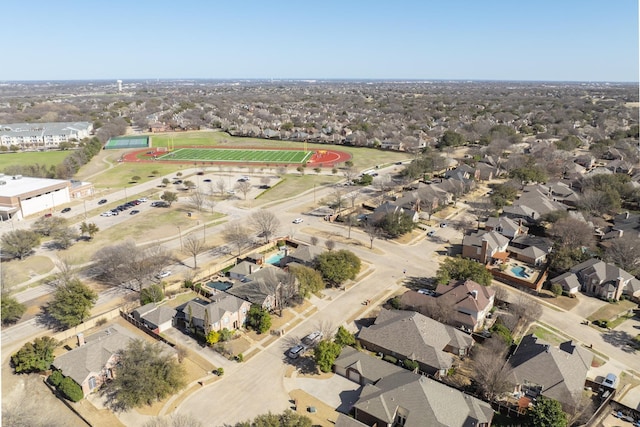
x,y
519,271
275,259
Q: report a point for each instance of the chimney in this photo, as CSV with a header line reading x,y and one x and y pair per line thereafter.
x,y
483,253
80,339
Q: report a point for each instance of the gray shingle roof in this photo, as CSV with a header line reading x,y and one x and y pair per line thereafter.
x,y
560,370
425,402
93,355
368,366
415,336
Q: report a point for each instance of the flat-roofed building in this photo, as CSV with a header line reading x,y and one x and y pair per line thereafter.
x,y
23,196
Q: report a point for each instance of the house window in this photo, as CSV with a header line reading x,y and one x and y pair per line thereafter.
x,y
400,420
92,383
225,320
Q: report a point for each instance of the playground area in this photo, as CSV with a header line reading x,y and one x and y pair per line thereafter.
x,y
244,156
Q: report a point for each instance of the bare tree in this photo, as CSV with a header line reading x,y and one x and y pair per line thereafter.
x,y
526,310
572,233
625,253
237,235
194,246
244,187
197,200
330,244
129,266
436,310
265,223
210,201
490,368
265,180
314,240
353,196
337,200
372,231
582,408
221,186
350,173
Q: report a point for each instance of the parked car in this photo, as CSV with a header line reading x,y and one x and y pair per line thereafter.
x,y
431,233
65,210
295,351
102,201
297,220
163,274
312,339
611,380
47,215
443,224
142,199
133,212
426,292
107,213
115,211
206,180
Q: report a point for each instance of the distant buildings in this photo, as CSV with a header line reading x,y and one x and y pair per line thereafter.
x,y
43,135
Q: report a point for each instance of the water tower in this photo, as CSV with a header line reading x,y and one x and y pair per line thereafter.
x,y
119,85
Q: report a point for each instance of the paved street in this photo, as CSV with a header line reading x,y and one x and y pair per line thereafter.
x,y
259,384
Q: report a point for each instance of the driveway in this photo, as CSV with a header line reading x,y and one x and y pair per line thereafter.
x,y
336,392
587,305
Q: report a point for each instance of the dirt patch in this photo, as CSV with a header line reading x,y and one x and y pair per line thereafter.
x,y
563,302
324,415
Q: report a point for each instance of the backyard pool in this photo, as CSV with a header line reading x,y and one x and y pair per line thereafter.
x,y
520,272
275,259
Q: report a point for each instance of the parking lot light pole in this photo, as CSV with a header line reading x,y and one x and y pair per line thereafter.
x,y
180,234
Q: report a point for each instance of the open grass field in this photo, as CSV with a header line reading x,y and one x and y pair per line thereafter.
x,y
237,156
47,158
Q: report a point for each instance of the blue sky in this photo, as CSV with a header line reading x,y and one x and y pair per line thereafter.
x,y
557,40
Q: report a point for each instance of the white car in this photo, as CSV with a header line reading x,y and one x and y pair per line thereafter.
x,y
142,199
163,274
107,213
297,220
312,339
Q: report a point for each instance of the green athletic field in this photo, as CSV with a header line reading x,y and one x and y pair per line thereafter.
x,y
235,155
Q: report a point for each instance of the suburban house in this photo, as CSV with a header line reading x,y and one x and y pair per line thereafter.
x,y
624,224
243,269
156,317
266,287
412,400
469,302
530,249
303,254
411,335
362,368
536,367
485,246
93,361
534,202
600,279
391,208
506,226
223,312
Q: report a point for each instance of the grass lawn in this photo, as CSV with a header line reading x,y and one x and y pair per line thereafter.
x,y
547,335
20,271
610,310
120,175
292,185
146,227
46,158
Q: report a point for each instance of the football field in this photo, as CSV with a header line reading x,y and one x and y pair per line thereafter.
x,y
237,156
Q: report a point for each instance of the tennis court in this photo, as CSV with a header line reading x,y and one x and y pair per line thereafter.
x,y
121,142
234,155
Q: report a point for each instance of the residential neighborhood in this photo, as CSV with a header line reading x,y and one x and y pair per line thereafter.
x,y
474,267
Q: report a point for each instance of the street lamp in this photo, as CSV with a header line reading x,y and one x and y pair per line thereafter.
x,y
125,194
180,234
85,209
